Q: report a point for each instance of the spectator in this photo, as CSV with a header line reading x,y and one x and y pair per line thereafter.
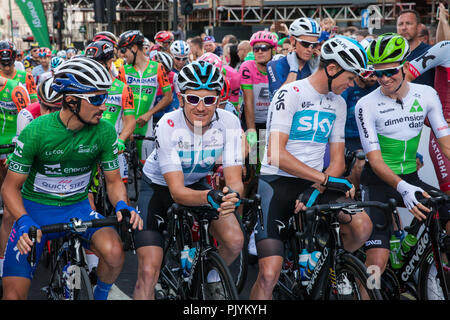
x,y
229,38
196,45
210,45
443,28
327,24
179,33
351,32
244,48
408,23
424,34
286,47
230,55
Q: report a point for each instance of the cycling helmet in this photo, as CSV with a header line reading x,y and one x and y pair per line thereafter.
x,y
226,91
211,58
180,49
164,36
365,43
200,75
155,47
62,54
81,75
107,36
47,95
387,48
264,36
44,52
165,59
131,37
348,53
304,27
55,62
278,56
7,51
101,51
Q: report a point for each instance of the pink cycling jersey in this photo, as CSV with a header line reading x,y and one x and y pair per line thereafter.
x,y
438,56
253,79
235,83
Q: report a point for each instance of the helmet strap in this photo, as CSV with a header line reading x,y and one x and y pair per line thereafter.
x,y
331,78
401,83
76,110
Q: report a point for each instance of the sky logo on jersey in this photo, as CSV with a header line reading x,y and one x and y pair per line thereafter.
x,y
199,161
312,125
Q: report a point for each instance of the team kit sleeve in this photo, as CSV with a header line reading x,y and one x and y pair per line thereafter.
x,y
435,115
168,158
163,79
23,119
20,98
121,75
128,101
246,76
338,132
27,147
31,86
366,126
437,55
282,110
109,155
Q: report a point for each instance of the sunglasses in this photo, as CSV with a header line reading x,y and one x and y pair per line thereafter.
x,y
387,72
307,44
195,100
7,63
181,59
124,49
94,99
262,48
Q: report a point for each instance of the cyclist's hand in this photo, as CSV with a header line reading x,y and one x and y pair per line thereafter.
x,y
252,138
230,201
292,61
307,198
135,219
143,119
408,193
24,224
120,145
341,185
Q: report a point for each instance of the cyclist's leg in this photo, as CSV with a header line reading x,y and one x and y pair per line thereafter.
x,y
153,203
354,144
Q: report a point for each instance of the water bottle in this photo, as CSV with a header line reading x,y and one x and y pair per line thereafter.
x,y
195,231
396,263
190,258
409,242
184,259
66,282
303,262
312,261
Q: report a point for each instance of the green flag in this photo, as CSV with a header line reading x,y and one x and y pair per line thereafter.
x,y
34,14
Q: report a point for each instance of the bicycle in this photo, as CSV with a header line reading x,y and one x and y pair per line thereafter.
x,y
174,283
422,275
69,278
338,274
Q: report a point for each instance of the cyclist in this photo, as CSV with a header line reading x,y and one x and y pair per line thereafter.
x,y
53,160
144,77
111,37
45,54
164,39
437,57
189,142
32,60
255,85
7,69
54,63
13,98
390,121
304,116
120,110
304,34
180,51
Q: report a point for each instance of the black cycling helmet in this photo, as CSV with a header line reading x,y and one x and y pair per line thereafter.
x,y
131,37
101,51
7,51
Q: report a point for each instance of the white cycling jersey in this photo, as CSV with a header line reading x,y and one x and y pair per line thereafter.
x,y
309,118
394,127
179,149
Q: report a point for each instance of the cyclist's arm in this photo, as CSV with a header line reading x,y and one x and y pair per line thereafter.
x,y
164,84
129,118
443,28
181,194
114,186
11,193
31,87
435,56
337,161
23,119
20,98
249,108
233,178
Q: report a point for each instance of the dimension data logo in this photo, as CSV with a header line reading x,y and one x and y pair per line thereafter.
x,y
416,107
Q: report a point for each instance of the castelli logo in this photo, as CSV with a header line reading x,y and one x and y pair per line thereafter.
x,y
170,122
296,89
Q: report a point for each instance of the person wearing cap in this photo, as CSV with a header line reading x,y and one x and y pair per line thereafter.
x,y
32,60
210,45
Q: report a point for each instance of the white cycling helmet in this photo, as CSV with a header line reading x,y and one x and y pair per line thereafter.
x,y
278,56
180,49
304,27
165,59
200,75
47,95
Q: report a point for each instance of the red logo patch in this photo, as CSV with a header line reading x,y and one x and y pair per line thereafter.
x,y
170,123
296,89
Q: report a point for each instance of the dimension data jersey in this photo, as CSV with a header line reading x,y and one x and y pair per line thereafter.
x,y
59,162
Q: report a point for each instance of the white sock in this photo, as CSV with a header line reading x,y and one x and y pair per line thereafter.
x,y
213,276
2,259
92,261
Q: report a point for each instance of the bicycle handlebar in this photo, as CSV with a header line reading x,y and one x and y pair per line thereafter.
x,y
141,137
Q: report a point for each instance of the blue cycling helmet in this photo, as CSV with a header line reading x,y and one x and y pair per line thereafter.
x,y
56,62
81,75
200,75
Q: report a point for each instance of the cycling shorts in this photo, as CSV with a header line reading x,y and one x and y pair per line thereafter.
x,y
375,189
153,202
278,195
16,264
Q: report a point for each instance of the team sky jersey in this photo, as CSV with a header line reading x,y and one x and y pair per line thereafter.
x,y
278,71
27,79
351,97
310,119
395,128
120,103
257,81
438,56
13,98
235,83
59,162
179,149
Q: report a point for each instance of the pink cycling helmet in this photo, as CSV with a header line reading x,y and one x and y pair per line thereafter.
x,y
264,36
211,58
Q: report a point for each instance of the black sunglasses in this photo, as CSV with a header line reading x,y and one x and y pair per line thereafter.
x,y
307,44
262,48
124,49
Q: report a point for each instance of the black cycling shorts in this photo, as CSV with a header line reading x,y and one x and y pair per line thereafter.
x,y
375,189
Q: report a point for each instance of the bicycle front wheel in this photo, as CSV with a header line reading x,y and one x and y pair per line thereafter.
x,y
214,279
430,287
83,290
352,281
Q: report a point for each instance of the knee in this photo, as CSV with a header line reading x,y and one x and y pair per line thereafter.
x,y
379,260
148,273
362,227
268,277
234,242
112,252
